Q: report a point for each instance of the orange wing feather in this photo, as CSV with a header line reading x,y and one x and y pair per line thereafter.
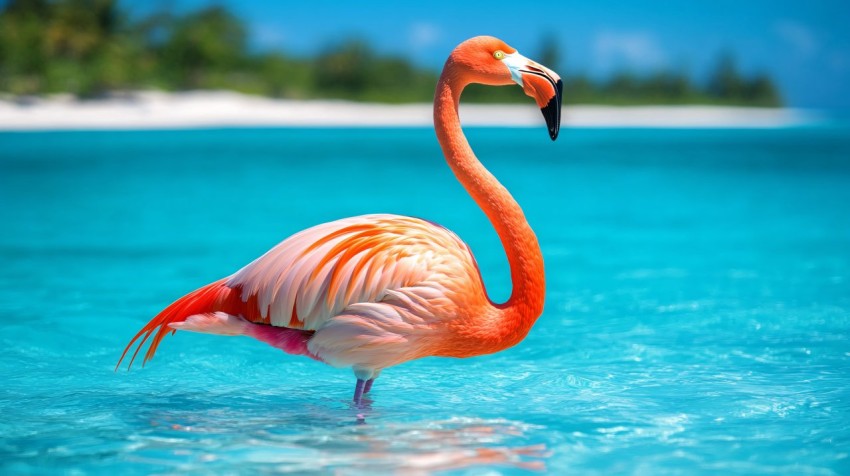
x,y
197,302
314,275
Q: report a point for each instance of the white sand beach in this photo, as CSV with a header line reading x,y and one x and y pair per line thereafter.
x,y
160,110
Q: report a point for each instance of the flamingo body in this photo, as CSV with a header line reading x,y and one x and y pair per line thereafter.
x,y
374,291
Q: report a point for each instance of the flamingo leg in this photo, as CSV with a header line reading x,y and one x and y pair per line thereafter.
x,y
368,385
358,391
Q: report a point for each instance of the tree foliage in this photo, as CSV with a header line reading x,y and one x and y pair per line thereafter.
x,y
92,47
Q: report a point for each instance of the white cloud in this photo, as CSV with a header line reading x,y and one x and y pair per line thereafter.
x,y
268,36
839,61
801,38
423,35
619,49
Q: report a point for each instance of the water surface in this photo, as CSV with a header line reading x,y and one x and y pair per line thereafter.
x,y
697,316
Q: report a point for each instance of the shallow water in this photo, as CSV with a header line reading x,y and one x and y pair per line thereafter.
x,y
697,316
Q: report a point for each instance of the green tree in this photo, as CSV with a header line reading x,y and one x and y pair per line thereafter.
x,y
80,39
578,89
88,47
23,58
622,86
549,53
203,47
761,91
667,87
725,82
343,70
56,46
285,77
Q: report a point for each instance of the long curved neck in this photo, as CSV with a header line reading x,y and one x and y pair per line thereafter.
x,y
523,251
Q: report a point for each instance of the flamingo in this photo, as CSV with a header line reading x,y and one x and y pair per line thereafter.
x,y
374,291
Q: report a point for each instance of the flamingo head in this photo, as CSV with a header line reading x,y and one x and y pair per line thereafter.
x,y
491,61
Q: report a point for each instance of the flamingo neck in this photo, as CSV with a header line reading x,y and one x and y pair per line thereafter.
x,y
511,321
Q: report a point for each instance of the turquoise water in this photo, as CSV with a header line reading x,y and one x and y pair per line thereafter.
x,y
697,316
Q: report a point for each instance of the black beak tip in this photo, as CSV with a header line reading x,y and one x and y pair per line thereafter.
x,y
552,111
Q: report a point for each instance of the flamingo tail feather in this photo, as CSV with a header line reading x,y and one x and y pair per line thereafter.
x,y
207,299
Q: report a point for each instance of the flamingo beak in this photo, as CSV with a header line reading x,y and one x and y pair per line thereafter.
x,y
540,83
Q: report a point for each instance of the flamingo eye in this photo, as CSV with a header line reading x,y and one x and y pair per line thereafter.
x,y
499,54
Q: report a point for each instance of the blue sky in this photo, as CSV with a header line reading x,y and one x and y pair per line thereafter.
x,y
804,44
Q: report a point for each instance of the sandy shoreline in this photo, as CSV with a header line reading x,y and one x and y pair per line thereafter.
x,y
158,110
